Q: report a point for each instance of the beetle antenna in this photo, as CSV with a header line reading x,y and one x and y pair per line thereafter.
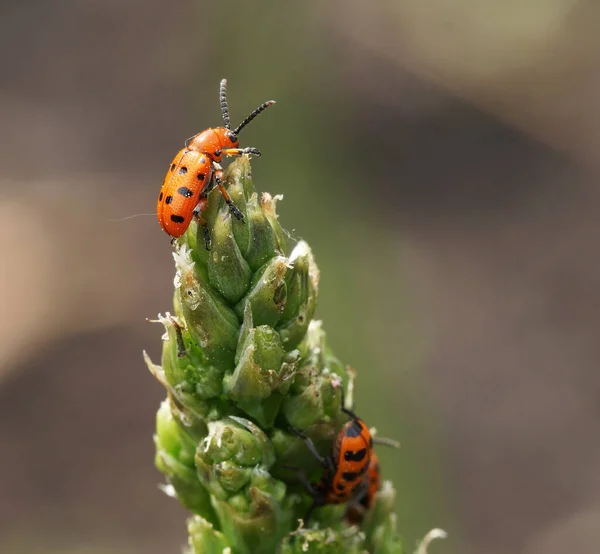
x,y
223,99
392,443
258,110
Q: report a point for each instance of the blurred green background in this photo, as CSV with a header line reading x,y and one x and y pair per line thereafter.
x,y
440,157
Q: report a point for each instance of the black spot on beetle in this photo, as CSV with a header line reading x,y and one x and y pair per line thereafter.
x,y
354,430
349,476
357,456
168,199
160,196
182,170
340,487
172,167
201,176
177,219
184,191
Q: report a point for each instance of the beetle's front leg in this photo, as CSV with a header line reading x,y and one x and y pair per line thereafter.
x,y
240,151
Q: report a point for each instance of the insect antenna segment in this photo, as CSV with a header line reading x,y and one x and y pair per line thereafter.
x,y
258,110
224,107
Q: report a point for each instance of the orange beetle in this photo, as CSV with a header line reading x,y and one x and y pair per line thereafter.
x,y
344,476
195,172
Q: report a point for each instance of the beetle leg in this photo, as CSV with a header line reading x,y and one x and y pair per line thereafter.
x,y
218,177
310,511
240,151
326,463
311,489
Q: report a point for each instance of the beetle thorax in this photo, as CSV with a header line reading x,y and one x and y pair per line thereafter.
x,y
212,141
207,142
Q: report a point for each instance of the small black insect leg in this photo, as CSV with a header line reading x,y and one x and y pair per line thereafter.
x,y
218,177
314,492
326,462
310,488
310,511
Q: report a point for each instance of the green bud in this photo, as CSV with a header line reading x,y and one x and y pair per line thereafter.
x,y
262,238
283,442
239,502
199,255
312,347
210,322
204,539
267,452
267,294
231,476
183,484
174,458
307,408
303,410
288,371
169,439
302,283
254,523
268,203
227,440
185,365
231,446
262,481
238,182
189,411
248,532
215,201
228,271
299,279
262,375
247,326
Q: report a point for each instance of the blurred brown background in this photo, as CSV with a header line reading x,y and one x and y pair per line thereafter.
x,y
441,158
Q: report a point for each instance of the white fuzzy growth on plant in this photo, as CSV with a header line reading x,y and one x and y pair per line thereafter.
x,y
183,263
429,537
